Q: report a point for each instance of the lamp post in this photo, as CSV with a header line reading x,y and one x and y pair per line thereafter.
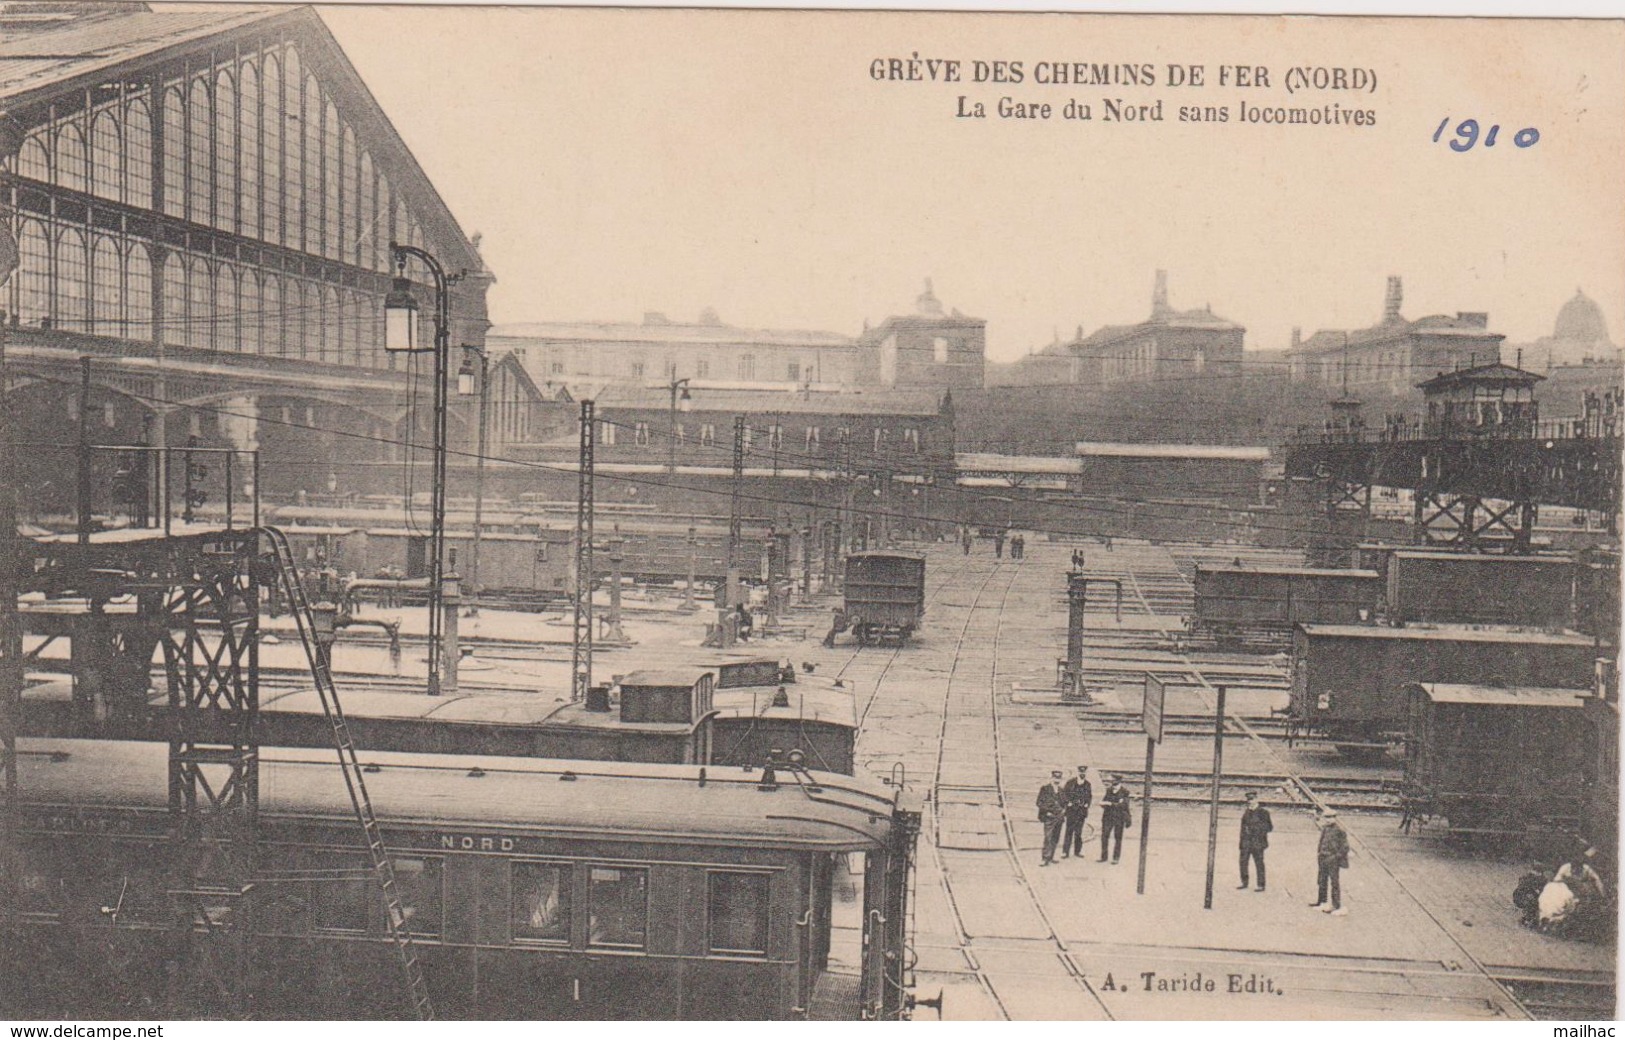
x,y
401,336
465,388
683,403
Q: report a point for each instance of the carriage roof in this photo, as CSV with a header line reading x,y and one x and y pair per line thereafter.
x,y
668,804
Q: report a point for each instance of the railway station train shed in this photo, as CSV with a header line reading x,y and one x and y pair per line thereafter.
x,y
202,202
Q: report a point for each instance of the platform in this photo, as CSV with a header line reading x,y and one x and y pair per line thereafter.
x,y
961,715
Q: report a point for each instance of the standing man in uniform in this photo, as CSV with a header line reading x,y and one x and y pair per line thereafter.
x,y
1078,796
1333,856
998,543
1255,837
1051,812
1114,818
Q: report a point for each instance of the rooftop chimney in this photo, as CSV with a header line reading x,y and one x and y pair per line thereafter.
x,y
1159,294
1394,299
927,302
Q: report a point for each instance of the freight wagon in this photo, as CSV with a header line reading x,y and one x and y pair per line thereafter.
x,y
885,597
1495,759
1480,589
1348,681
1257,606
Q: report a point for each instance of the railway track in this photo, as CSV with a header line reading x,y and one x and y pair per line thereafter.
x,y
959,689
1073,970
1560,996
1371,793
1307,790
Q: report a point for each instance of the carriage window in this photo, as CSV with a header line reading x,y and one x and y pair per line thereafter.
x,y
739,906
341,898
541,902
418,881
41,891
618,906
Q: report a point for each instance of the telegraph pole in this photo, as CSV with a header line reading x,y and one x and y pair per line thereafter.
x,y
1213,799
734,520
581,639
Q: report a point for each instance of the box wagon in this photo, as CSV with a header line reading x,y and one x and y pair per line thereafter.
x,y
1495,758
1348,681
1259,605
885,597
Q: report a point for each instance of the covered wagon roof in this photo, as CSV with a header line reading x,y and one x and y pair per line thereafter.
x,y
1505,696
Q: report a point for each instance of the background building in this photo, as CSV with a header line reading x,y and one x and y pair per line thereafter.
x,y
586,356
1579,337
1394,355
928,348
1169,345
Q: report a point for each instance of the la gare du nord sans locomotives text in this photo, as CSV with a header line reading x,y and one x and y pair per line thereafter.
x,y
915,69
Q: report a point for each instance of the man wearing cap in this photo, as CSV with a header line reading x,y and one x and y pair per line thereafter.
x,y
1078,796
1255,837
1114,818
1333,856
1051,813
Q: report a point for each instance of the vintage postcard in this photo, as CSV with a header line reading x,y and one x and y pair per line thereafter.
x,y
541,513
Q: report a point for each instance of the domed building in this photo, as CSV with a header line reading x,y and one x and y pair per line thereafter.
x,y
1579,337
1578,358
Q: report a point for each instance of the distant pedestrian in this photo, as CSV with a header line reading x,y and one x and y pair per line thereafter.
x,y
1051,813
1115,817
1077,561
1078,796
1255,838
998,544
1018,547
965,542
1332,857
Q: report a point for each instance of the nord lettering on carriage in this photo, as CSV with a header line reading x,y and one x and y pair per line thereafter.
x,y
476,843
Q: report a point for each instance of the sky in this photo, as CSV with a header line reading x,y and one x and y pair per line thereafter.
x,y
624,161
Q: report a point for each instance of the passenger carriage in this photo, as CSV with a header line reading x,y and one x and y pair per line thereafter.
x,y
534,889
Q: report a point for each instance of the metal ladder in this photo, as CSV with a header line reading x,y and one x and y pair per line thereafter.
x,y
350,766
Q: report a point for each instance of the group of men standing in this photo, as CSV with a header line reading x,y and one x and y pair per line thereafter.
x,y
1063,809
